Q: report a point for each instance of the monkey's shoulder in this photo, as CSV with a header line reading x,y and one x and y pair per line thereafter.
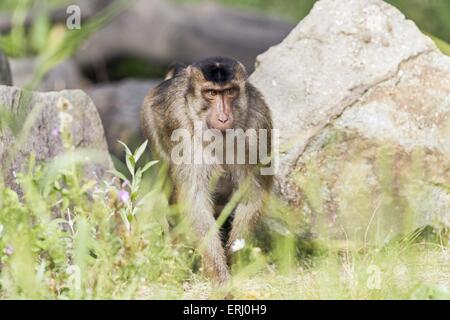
x,y
259,112
159,111
166,94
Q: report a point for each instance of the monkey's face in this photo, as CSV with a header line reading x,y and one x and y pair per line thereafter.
x,y
219,88
219,103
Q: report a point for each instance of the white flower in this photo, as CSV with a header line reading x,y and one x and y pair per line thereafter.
x,y
237,245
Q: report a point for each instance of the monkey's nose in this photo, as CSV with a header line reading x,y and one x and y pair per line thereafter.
x,y
223,119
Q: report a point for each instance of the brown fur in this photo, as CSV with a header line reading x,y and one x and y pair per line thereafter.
x,y
177,103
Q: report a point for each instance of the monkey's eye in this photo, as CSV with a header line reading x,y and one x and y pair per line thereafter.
x,y
210,93
231,92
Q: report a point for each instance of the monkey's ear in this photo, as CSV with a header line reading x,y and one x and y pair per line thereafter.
x,y
174,69
241,72
195,74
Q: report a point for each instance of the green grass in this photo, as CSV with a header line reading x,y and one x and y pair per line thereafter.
x,y
71,238
419,272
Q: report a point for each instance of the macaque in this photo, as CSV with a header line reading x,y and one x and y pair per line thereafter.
x,y
213,94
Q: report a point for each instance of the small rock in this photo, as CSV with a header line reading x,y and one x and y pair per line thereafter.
x,y
53,113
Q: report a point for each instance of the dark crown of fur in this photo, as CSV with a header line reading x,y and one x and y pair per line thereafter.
x,y
217,69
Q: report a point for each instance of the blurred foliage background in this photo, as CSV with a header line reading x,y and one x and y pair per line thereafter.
x,y
432,16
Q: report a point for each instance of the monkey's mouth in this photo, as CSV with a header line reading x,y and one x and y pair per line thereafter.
x,y
222,127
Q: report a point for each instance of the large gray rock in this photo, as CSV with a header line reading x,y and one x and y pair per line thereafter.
x,y
5,72
48,116
362,101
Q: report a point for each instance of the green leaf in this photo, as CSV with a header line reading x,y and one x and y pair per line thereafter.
x,y
138,153
127,150
137,179
118,174
149,165
40,30
130,164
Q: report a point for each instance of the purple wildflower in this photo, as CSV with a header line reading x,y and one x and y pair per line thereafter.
x,y
124,196
9,250
55,132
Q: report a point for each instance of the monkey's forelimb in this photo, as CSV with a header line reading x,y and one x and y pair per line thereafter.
x,y
195,198
248,211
